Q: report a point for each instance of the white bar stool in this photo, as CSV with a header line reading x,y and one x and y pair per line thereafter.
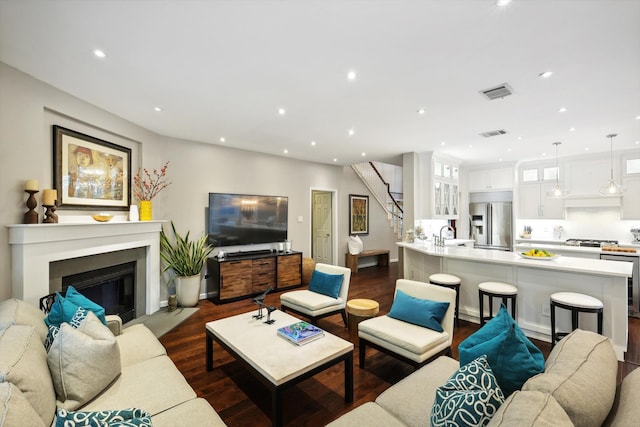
x,y
576,303
502,290
448,281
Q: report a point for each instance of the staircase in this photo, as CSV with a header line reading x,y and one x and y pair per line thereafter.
x,y
379,188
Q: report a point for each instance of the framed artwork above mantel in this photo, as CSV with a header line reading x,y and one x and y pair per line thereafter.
x,y
90,173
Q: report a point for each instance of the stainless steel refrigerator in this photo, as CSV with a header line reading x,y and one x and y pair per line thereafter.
x,y
490,225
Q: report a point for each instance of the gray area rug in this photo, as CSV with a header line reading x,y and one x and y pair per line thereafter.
x,y
162,321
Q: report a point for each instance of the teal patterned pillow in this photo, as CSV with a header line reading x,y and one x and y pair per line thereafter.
x,y
131,417
469,398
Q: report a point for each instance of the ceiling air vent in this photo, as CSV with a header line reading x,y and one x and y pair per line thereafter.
x,y
493,133
497,92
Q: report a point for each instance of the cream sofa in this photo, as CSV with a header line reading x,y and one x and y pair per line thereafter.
x,y
577,387
148,379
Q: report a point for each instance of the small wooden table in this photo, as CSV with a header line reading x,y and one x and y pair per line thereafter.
x,y
358,310
276,362
351,260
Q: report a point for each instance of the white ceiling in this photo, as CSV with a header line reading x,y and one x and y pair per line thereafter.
x,y
223,68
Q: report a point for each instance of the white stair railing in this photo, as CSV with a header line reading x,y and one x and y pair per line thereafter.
x,y
392,204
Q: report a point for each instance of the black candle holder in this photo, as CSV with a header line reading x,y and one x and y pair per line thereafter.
x,y
31,216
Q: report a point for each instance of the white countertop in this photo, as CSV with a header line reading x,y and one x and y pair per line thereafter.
x,y
562,263
569,248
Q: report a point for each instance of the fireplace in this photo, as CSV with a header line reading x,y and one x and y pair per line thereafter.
x,y
43,254
112,288
114,280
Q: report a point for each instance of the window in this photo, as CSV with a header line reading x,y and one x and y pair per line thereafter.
x,y
550,174
529,175
633,166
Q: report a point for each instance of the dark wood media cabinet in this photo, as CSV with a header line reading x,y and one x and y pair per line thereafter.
x,y
244,276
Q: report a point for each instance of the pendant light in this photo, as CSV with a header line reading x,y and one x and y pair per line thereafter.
x,y
612,188
556,191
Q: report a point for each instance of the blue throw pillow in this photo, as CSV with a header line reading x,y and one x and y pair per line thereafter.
x,y
470,397
326,284
512,356
422,312
64,308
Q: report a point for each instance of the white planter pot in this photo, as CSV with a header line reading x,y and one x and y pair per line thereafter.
x,y
188,290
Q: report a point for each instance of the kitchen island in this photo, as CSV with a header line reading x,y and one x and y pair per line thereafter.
x,y
536,281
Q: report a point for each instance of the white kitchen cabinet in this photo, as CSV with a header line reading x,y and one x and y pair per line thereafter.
x,y
631,198
536,204
439,177
496,179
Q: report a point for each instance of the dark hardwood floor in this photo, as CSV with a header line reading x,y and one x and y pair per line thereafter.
x,y
241,400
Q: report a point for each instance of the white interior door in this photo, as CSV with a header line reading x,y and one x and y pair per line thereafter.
x,y
322,227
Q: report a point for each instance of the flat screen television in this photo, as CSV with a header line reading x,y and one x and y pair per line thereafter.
x,y
244,219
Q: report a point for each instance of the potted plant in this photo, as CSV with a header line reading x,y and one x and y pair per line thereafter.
x,y
186,259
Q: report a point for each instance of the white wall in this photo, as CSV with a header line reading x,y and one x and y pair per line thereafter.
x,y
29,107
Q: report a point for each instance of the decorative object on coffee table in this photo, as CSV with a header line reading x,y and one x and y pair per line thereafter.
x,y
147,185
186,258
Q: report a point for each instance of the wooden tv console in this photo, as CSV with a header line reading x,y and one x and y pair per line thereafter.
x,y
237,277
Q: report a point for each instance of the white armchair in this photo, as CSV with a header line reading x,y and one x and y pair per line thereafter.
x,y
411,343
314,305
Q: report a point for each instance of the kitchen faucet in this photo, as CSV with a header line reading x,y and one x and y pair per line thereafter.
x,y
440,241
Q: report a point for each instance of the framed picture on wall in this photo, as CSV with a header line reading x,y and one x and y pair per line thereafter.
x,y
89,172
358,214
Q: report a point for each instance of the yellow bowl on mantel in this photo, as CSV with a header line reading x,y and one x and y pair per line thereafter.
x,y
102,217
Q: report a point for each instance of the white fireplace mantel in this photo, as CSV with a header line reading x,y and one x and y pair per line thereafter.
x,y
34,246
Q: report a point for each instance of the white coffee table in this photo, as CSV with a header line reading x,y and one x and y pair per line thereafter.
x,y
276,362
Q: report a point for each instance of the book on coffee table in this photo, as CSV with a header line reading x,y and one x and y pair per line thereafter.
x,y
300,333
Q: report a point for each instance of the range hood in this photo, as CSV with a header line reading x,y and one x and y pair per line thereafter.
x,y
592,201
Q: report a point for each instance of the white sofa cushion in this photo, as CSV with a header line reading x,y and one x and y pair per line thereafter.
x,y
83,361
17,312
137,343
153,385
23,362
15,409
184,415
530,408
580,373
410,400
413,338
367,415
310,300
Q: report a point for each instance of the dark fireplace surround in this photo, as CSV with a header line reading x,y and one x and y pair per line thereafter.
x,y
115,280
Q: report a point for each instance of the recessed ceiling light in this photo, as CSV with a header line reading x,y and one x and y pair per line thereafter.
x,y
544,154
282,111
562,109
500,159
470,146
99,53
443,143
313,143
352,75
286,151
519,138
637,142
364,154
586,148
502,2
545,75
352,132
335,160
508,150
222,139
158,109
572,129
637,117
421,111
